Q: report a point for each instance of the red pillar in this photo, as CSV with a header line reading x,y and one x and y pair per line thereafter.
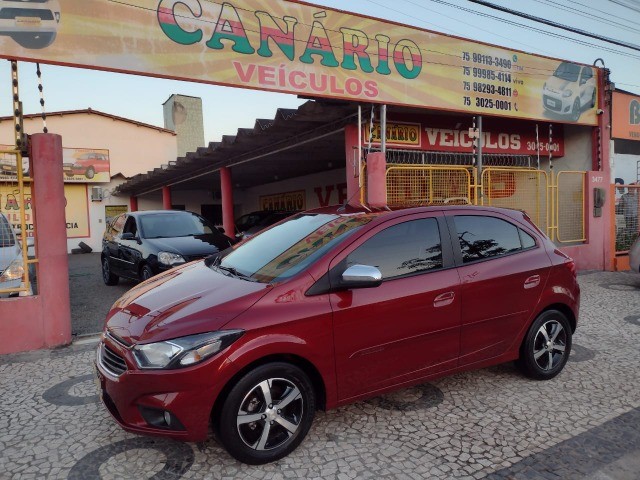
x,y
166,197
228,222
353,175
133,203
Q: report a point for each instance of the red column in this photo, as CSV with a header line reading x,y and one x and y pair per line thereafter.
x,y
228,222
51,233
353,175
133,203
166,198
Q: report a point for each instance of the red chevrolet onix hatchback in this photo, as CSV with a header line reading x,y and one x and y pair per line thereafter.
x,y
328,307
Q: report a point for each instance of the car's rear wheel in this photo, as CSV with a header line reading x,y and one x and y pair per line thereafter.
x,y
546,348
267,413
108,277
146,273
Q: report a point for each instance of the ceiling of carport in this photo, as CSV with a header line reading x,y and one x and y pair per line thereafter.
x,y
295,142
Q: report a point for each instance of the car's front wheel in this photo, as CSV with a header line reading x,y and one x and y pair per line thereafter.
x,y
146,273
267,413
546,348
576,111
90,173
108,277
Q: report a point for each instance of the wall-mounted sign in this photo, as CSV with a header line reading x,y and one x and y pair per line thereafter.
x,y
626,116
398,134
303,49
284,201
451,134
76,208
80,165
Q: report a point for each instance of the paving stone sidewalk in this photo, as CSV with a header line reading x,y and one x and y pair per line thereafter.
x,y
492,423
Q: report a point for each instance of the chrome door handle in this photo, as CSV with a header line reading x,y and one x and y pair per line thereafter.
x,y
444,299
532,281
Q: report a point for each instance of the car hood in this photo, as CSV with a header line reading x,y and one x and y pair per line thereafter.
x,y
558,84
182,301
191,245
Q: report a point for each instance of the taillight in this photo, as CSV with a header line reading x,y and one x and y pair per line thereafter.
x,y
571,265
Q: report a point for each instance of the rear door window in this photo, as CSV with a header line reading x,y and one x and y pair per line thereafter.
x,y
6,233
483,237
403,249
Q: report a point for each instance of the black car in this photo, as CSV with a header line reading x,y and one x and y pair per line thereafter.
x,y
139,245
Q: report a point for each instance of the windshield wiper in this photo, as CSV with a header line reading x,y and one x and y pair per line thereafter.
x,y
235,272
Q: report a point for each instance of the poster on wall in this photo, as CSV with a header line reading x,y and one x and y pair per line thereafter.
x,y
80,165
76,209
303,49
626,116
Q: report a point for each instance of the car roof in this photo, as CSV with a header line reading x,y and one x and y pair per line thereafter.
x,y
142,213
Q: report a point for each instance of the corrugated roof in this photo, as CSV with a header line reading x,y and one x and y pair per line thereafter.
x,y
295,142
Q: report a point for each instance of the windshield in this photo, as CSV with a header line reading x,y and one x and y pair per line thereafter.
x,y
6,235
166,225
567,71
286,249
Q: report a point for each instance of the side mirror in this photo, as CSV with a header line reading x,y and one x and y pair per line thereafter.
x,y
361,276
128,236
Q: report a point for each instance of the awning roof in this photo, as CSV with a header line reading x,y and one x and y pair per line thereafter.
x,y
295,142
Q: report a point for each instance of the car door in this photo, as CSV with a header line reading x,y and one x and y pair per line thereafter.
x,y
130,248
409,326
110,242
503,269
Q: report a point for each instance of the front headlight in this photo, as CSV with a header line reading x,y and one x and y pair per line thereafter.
x,y
13,272
184,351
567,93
168,258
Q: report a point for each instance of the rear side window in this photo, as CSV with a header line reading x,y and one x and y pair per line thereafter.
x,y
486,237
403,249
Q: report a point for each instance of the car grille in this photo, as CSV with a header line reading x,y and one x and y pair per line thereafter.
x,y
552,103
11,13
112,362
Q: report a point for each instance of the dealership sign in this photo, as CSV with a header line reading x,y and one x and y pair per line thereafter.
x,y
303,49
449,135
76,208
626,116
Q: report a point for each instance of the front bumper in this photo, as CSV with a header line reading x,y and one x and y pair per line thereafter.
x,y
555,102
188,394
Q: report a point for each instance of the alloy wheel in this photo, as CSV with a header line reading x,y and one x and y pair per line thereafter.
x,y
549,345
105,270
270,414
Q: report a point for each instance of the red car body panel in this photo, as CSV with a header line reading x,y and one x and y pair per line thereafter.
x,y
358,342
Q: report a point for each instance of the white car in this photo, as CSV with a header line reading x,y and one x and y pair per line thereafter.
x,y
11,262
570,90
634,256
32,24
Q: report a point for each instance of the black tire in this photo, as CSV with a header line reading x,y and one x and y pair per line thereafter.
x,y
145,273
108,277
545,350
249,442
90,173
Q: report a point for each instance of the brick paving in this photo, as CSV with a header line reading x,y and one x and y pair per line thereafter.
x,y
491,423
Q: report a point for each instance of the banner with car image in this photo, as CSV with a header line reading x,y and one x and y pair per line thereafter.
x,y
80,165
298,48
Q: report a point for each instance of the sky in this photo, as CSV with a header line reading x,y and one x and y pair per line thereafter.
x,y
227,109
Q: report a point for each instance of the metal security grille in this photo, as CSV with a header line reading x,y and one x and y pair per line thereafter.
x,y
627,211
521,189
569,207
410,186
419,157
